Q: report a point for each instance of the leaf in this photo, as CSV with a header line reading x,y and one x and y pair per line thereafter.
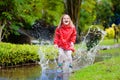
x,y
15,27
7,15
2,3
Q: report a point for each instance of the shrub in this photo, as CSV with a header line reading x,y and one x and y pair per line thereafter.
x,y
110,33
14,54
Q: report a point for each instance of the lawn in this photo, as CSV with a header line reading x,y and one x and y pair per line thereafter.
x,y
105,70
108,69
109,42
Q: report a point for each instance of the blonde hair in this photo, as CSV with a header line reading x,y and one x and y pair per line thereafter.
x,y
61,21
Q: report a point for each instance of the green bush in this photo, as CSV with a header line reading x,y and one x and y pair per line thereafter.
x,y
110,33
49,51
14,54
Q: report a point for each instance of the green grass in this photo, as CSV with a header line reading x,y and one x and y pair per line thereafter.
x,y
108,69
109,42
110,51
105,70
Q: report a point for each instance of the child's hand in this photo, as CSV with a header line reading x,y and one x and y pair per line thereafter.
x,y
72,44
56,46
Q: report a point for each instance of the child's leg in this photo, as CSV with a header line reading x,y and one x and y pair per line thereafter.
x,y
67,67
69,56
61,57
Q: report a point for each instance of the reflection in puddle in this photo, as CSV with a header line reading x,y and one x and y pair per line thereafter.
x,y
102,57
31,73
54,75
20,73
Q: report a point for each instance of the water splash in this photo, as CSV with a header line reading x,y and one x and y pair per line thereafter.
x,y
48,72
84,56
43,61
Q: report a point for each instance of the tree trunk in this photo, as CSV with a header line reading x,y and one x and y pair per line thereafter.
x,y
2,25
72,7
0,33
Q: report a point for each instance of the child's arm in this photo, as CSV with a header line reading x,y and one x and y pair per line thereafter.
x,y
56,38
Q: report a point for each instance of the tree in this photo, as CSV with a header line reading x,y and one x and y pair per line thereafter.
x,y
72,7
52,10
15,14
81,12
103,12
116,12
87,14
23,13
6,9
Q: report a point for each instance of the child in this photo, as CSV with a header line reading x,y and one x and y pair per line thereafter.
x,y
64,39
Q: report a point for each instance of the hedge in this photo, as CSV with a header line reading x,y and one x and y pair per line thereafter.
x,y
16,54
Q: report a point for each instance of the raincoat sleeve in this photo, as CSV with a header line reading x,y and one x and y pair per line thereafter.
x,y
56,36
73,36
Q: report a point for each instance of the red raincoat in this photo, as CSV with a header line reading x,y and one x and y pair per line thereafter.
x,y
64,36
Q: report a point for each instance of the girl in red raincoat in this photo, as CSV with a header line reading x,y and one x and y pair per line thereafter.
x,y
64,39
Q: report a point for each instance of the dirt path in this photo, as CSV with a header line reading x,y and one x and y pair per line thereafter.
x,y
109,47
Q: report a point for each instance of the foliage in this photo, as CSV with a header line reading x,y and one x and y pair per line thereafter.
x,y
9,18
104,12
116,11
110,33
105,70
49,10
49,51
28,11
23,13
52,10
116,6
81,12
87,14
11,54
